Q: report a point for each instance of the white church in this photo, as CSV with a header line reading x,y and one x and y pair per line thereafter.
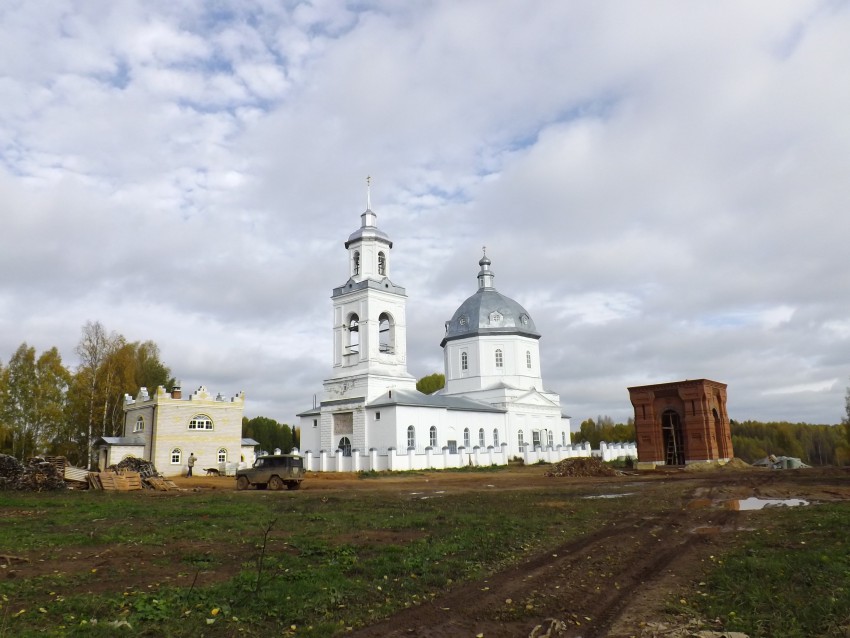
x,y
493,408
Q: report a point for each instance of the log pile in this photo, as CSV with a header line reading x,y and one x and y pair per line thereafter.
x,y
37,475
584,466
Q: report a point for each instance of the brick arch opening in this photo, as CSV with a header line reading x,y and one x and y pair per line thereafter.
x,y
674,440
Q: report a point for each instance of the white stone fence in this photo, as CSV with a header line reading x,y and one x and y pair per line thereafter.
x,y
434,459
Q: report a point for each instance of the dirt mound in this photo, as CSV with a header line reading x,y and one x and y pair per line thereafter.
x,y
37,475
709,466
586,466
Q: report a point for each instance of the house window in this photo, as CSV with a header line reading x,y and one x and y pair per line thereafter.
x,y
377,416
140,425
345,446
176,456
222,455
520,441
411,436
481,437
356,263
528,359
498,358
382,264
201,422
495,437
464,361
466,442
432,436
315,423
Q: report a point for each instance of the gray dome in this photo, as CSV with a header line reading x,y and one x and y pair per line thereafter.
x,y
368,230
489,312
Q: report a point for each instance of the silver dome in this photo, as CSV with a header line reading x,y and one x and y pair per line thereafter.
x,y
489,312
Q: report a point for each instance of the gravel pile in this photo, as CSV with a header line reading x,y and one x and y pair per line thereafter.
x,y
585,466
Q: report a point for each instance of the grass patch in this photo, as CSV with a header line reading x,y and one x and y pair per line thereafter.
x,y
790,577
224,563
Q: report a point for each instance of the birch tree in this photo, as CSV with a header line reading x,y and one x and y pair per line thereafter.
x,y
93,349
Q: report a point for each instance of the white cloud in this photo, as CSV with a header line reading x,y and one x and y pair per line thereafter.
x,y
659,184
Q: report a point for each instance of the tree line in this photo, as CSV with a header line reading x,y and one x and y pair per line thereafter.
x,y
270,434
814,444
751,440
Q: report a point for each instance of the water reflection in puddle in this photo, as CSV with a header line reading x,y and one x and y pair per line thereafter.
x,y
753,503
609,495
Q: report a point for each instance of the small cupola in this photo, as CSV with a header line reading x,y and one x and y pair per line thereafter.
x,y
485,275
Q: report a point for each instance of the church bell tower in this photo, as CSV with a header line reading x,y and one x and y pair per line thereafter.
x,y
369,326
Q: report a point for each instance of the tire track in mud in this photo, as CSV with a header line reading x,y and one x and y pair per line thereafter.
x,y
584,583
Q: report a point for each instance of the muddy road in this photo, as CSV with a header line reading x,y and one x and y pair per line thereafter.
x,y
611,582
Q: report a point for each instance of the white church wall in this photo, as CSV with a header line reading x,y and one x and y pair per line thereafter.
x,y
408,460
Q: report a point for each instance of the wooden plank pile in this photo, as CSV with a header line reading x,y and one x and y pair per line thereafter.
x,y
130,474
115,482
37,475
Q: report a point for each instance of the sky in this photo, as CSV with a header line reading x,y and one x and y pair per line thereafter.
x,y
663,185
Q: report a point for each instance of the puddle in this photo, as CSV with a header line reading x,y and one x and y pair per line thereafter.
x,y
753,503
609,495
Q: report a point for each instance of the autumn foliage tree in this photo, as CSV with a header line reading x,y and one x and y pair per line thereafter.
x,y
47,409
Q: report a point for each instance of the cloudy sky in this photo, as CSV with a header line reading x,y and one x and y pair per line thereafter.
x,y
665,186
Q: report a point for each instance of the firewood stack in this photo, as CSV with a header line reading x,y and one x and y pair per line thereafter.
x,y
37,475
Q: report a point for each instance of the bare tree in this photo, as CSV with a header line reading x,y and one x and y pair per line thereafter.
x,y
94,349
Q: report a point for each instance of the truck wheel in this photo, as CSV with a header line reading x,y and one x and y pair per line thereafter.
x,y
275,483
242,483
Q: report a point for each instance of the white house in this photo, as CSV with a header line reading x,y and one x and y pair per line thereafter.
x,y
166,428
494,406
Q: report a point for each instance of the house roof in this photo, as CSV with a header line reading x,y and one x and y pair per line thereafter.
x,y
120,440
413,398
246,442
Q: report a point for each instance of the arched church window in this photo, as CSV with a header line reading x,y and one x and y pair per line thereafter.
x,y
528,359
466,442
520,441
495,437
353,344
411,437
382,264
176,456
464,361
386,333
222,455
551,439
345,446
481,437
432,436
140,425
498,358
356,266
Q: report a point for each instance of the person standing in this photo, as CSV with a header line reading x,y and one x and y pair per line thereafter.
x,y
191,462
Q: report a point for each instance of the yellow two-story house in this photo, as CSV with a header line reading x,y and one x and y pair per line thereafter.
x,y
166,429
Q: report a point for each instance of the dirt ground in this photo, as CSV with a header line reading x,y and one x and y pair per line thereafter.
x,y
614,582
